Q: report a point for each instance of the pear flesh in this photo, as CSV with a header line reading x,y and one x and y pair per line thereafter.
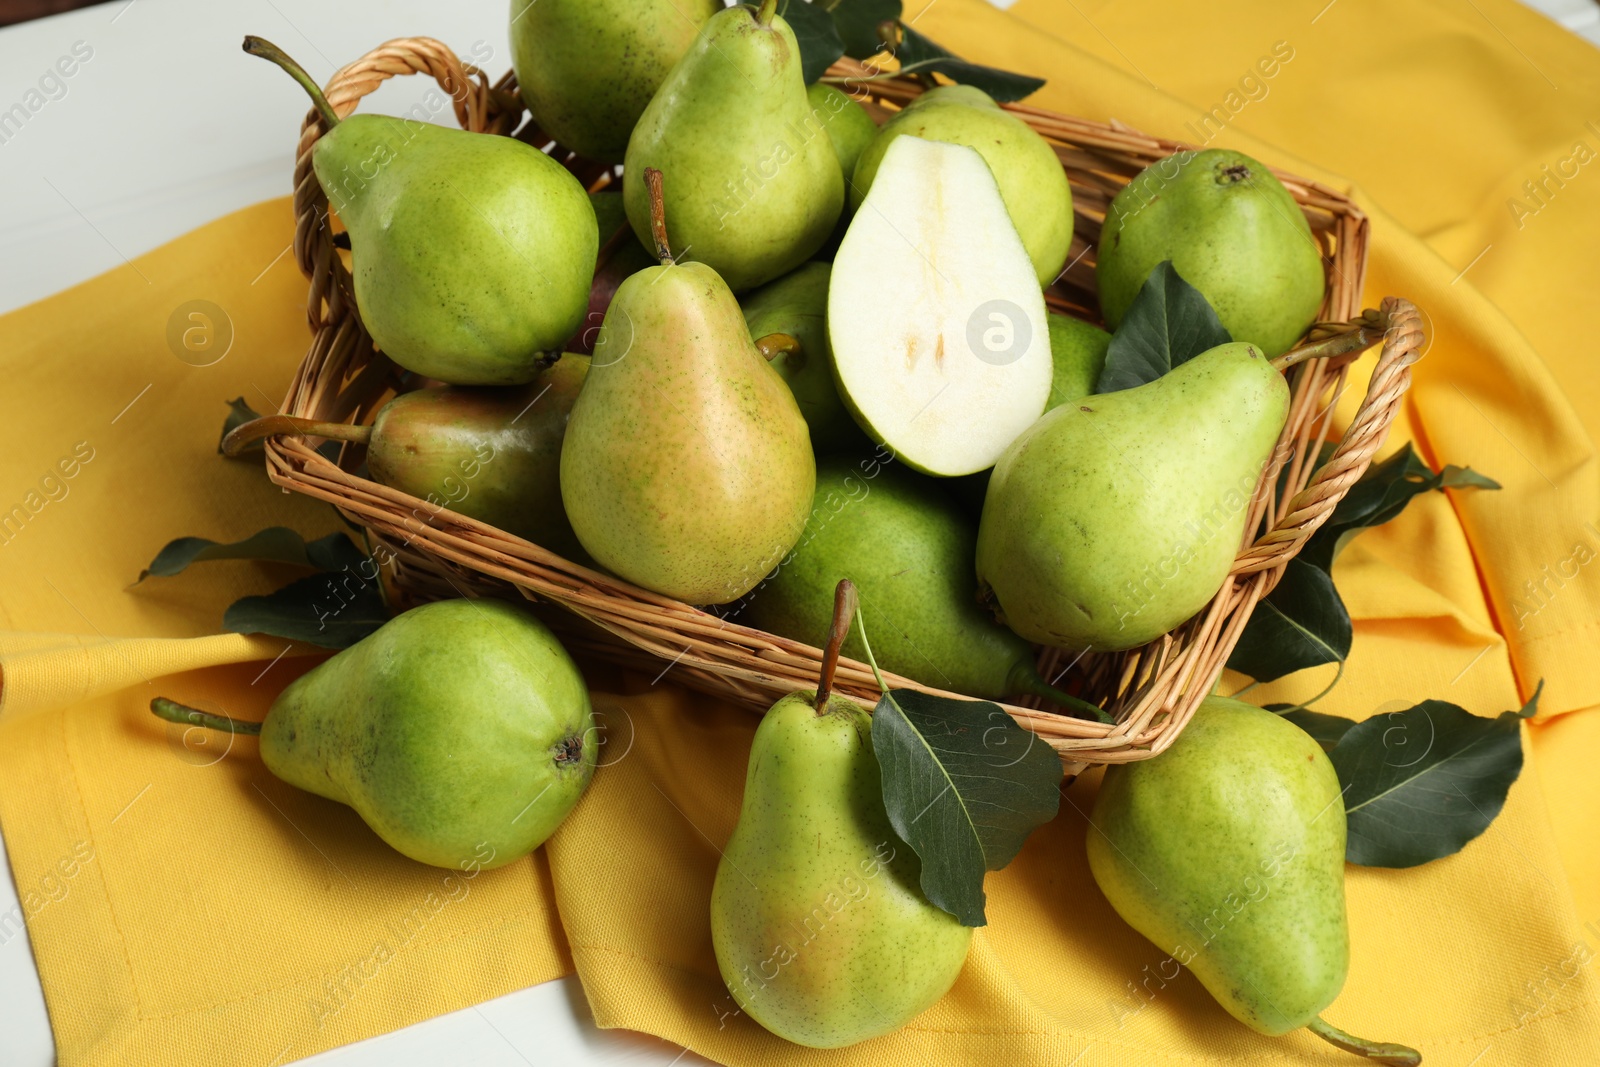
x,y
940,344
1113,519
753,186
820,930
687,466
1227,851
457,729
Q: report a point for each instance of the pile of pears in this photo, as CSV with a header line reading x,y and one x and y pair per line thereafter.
x,y
798,342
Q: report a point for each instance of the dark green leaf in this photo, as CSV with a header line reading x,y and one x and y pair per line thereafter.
x,y
275,544
1421,783
815,33
964,785
919,55
239,413
1325,730
1167,324
1380,495
858,22
331,610
1300,624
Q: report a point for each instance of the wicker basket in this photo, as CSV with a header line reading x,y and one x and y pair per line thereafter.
x,y
1151,691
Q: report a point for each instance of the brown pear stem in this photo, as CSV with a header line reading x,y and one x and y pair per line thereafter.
x,y
184,715
844,612
272,425
1374,324
765,12
658,215
260,46
774,345
1384,1052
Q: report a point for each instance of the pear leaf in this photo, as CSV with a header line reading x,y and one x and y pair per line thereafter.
x,y
1420,783
814,32
277,544
858,22
919,55
239,413
1325,730
964,785
1301,623
1381,493
331,609
1169,323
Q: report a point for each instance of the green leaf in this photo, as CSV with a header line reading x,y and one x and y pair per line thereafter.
x,y
917,54
815,33
239,413
277,544
964,785
1420,783
1300,624
1167,324
857,22
332,610
1325,730
1381,494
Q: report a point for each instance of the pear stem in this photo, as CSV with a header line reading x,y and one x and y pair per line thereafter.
x,y
271,425
184,715
1378,1051
774,345
1025,678
1373,326
658,215
260,46
844,612
765,12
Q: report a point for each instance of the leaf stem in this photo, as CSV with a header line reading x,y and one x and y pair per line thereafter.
x,y
184,715
845,605
246,434
260,46
1025,678
1306,705
658,215
1384,1052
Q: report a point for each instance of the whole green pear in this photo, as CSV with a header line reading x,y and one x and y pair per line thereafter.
x,y
1113,519
1231,230
850,128
821,931
908,549
491,454
471,254
686,467
753,185
588,68
1030,177
797,305
460,732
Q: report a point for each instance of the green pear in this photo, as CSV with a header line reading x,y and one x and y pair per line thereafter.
x,y
820,929
471,254
588,68
1031,180
687,467
754,187
1078,354
1111,520
850,128
908,550
1231,230
460,732
1227,851
796,305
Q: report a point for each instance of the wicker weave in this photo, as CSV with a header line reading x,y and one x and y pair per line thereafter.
x,y
1152,691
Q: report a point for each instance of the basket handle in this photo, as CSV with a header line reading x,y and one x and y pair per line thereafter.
x,y
1403,337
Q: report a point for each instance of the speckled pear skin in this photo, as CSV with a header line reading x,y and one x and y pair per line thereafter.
x,y
491,454
1113,519
459,730
588,68
687,467
821,932
1227,851
797,304
1231,230
471,254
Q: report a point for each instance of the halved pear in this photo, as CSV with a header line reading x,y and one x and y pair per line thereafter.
x,y
941,349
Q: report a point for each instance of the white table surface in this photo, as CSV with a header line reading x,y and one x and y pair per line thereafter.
x,y
131,156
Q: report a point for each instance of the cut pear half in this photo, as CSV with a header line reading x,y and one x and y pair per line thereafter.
x,y
941,349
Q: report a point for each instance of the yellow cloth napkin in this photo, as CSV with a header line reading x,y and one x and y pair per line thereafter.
x,y
212,914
